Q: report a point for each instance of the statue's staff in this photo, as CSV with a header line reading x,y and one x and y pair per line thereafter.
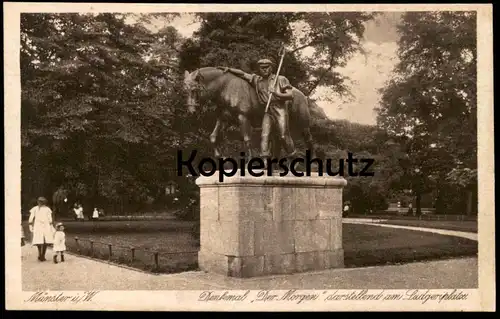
x,y
282,53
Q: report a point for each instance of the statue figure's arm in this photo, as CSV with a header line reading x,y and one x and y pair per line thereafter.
x,y
240,73
284,89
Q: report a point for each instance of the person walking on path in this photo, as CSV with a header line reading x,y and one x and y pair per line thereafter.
x,y
40,223
59,242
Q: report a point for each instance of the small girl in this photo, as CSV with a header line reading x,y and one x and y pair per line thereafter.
x,y
59,242
95,214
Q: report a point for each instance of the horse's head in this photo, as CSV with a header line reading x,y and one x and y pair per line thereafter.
x,y
192,88
203,83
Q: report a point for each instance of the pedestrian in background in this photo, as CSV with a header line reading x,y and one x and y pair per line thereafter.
x,y
346,210
40,223
410,210
75,210
95,214
79,212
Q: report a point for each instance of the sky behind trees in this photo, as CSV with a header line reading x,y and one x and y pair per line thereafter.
x,y
368,72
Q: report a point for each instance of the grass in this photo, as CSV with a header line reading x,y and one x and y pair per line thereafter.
x,y
466,226
366,245
169,246
176,249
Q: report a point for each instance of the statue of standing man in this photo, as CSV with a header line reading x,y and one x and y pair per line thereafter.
x,y
278,108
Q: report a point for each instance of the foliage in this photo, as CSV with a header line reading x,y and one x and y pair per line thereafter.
x,y
100,106
103,109
430,103
240,39
462,177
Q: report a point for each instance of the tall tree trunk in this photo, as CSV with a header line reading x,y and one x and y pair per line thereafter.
x,y
95,192
469,202
418,201
438,204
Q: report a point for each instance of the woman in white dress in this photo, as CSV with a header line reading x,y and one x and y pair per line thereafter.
x,y
40,223
81,217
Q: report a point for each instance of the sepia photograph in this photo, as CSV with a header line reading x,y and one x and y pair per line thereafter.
x,y
249,157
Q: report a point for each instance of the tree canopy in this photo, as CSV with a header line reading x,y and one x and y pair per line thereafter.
x,y
99,113
103,108
240,39
431,102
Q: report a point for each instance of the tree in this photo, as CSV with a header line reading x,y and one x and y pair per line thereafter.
x,y
431,101
240,39
99,99
103,108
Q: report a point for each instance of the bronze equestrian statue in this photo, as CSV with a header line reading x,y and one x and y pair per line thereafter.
x,y
242,95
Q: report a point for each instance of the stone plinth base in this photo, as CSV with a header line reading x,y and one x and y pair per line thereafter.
x,y
254,266
255,226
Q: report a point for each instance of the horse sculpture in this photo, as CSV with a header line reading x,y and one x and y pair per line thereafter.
x,y
235,97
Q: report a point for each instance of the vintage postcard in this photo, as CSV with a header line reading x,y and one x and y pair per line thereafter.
x,y
249,157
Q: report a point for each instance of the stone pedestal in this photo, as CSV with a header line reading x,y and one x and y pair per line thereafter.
x,y
255,226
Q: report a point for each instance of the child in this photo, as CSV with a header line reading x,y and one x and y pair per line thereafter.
x,y
95,214
59,242
75,210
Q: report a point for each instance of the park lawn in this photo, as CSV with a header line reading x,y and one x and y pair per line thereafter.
x,y
176,248
367,245
466,226
128,227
